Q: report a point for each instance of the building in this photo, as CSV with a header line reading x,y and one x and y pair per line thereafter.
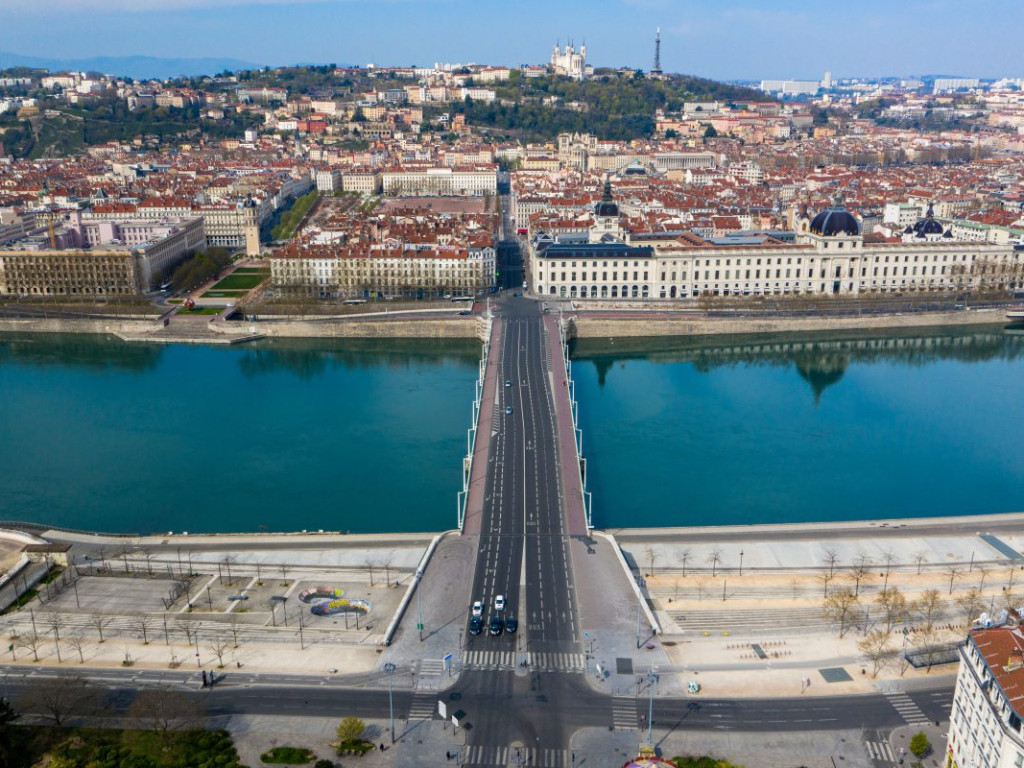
x,y
232,225
465,181
791,87
416,270
829,256
944,84
988,704
99,258
569,62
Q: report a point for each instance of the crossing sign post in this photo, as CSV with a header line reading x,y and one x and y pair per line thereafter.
x,y
448,665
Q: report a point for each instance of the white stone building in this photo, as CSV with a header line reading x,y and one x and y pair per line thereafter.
x,y
468,181
988,705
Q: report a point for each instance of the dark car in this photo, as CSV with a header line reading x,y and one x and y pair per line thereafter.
x,y
511,625
476,625
496,625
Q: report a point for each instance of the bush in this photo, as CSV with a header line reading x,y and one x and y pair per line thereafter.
x,y
919,744
323,763
287,756
354,747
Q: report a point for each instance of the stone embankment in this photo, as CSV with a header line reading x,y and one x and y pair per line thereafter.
x,y
604,326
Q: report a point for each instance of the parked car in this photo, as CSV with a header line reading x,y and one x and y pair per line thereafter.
x,y
476,625
499,603
511,625
478,609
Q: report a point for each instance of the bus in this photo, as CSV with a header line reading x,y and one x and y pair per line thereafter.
x,y
462,298
354,301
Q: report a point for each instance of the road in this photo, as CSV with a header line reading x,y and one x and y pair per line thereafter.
x,y
544,706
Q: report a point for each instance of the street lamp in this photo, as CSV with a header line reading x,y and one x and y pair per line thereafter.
x,y
652,679
741,562
390,669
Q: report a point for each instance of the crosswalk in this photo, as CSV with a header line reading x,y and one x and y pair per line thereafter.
x,y
624,712
422,706
880,751
431,671
542,758
547,661
908,710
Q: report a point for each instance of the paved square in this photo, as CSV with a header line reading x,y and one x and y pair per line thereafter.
x,y
835,675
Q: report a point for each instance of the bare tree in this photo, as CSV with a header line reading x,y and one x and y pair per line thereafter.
x,y
825,577
259,575
927,644
715,558
860,572
233,626
284,575
954,572
385,563
888,558
700,589
370,564
971,602
984,572
219,645
164,709
100,622
831,558
32,642
143,622
189,627
148,557
684,557
893,604
228,561
928,606
124,549
77,643
651,554
56,622
838,607
920,557
877,647
62,697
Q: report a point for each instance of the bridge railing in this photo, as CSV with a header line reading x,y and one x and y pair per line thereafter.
x,y
574,412
462,497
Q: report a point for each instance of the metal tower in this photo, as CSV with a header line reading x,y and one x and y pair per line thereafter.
x,y
656,69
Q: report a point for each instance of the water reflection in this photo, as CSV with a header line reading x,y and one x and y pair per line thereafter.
x,y
309,358
80,351
819,359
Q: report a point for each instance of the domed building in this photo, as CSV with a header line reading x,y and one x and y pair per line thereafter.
x,y
607,225
834,221
926,230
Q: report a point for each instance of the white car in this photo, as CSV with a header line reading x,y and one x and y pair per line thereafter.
x,y
478,609
499,603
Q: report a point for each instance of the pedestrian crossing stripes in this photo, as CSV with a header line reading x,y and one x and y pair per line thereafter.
x,y
880,751
908,710
624,712
542,758
564,662
431,666
422,707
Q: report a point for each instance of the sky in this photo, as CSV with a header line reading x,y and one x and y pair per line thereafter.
x,y
720,39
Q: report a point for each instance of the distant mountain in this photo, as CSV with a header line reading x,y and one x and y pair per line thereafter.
x,y
137,67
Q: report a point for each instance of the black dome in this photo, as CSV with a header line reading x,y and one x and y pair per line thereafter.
x,y
835,221
928,225
607,206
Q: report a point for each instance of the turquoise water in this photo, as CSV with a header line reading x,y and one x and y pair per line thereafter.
x,y
788,429
284,435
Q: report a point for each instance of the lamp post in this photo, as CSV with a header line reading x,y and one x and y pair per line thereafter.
x,y
390,669
652,679
741,562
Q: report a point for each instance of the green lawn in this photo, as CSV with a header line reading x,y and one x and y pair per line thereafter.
x,y
246,281
251,271
223,294
203,311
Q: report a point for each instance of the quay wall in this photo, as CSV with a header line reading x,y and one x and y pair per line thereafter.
x,y
426,328
587,327
76,325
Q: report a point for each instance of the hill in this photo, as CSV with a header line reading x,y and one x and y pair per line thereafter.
x,y
135,67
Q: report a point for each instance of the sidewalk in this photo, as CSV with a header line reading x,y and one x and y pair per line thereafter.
x,y
478,478
576,518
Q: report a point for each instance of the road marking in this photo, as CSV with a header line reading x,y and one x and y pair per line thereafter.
x,y
907,709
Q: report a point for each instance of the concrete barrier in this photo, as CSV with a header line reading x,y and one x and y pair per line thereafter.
x,y
413,585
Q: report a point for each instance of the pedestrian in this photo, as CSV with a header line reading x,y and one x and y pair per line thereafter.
x,y
382,746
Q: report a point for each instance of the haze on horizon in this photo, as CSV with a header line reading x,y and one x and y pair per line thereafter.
x,y
721,39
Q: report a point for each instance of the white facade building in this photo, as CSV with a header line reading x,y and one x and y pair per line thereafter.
x,y
569,62
468,181
985,722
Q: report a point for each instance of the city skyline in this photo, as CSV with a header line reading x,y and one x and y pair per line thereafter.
x,y
778,39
